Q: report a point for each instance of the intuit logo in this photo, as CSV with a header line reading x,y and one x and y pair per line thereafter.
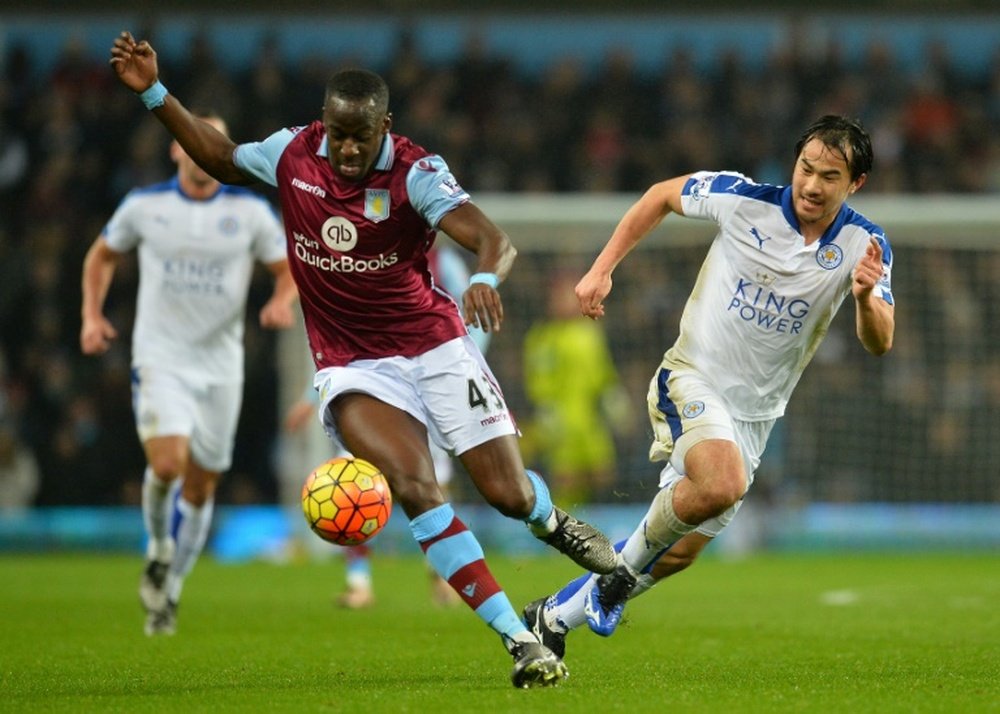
x,y
309,252
346,264
767,309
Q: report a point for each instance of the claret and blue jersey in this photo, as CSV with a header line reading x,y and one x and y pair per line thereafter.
x,y
358,250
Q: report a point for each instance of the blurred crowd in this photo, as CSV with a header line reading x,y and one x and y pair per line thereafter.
x,y
73,142
920,424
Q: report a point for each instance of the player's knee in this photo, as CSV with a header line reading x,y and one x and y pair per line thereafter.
x,y
167,467
415,493
723,491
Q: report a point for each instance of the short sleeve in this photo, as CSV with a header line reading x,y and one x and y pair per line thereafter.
x,y
260,158
433,190
119,233
709,194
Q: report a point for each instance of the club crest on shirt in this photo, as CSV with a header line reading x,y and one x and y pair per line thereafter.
x,y
229,226
376,204
829,256
693,409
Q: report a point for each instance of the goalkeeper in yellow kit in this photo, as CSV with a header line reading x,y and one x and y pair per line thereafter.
x,y
578,401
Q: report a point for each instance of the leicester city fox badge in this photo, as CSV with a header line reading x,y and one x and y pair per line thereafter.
x,y
691,410
376,204
829,256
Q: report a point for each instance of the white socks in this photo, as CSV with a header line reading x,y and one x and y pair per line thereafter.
x,y
156,498
660,528
191,536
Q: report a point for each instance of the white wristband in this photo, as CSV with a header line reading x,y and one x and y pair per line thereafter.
x,y
490,279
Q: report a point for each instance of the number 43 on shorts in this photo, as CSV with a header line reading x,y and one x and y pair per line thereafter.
x,y
477,398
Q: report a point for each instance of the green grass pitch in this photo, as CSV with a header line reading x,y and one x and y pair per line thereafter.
x,y
778,633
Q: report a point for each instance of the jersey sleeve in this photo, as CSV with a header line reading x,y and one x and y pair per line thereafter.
x,y
433,190
709,194
120,233
269,236
260,158
883,288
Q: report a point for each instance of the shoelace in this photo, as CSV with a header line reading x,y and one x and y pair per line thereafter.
x,y
571,540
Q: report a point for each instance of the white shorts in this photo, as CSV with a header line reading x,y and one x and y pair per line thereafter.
x,y
684,410
168,404
449,389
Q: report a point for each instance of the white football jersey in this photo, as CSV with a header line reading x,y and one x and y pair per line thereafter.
x,y
196,259
763,299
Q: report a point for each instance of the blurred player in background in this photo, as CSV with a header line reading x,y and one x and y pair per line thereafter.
x,y
781,265
451,274
578,400
197,243
394,361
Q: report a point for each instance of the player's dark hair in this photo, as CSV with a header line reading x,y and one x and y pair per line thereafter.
x,y
359,84
840,134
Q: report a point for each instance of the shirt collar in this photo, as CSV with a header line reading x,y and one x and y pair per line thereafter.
x,y
831,230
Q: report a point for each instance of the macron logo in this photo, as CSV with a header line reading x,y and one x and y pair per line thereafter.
x,y
308,188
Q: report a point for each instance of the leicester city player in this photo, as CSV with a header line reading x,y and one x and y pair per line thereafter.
x,y
784,259
395,363
197,243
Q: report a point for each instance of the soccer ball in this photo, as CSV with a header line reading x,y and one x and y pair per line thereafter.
x,y
346,501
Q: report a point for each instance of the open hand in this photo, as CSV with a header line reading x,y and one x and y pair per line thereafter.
x,y
482,307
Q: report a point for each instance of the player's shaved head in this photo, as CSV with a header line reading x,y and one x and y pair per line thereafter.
x,y
359,85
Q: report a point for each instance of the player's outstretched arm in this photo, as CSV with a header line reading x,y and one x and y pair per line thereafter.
x,y
135,64
641,218
470,228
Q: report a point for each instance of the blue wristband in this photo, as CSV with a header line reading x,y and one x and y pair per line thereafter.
x,y
490,279
154,96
